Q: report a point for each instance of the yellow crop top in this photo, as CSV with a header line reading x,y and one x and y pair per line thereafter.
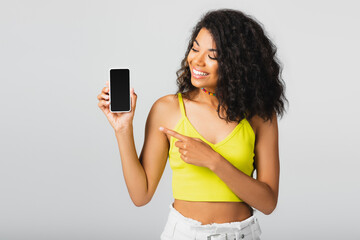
x,y
194,183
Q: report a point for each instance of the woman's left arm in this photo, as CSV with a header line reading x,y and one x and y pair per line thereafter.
x,y
262,192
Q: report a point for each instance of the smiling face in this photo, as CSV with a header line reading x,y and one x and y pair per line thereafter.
x,y
202,61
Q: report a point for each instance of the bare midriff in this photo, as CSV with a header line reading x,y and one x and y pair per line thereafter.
x,y
213,212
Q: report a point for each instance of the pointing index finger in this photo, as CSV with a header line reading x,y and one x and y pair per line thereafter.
x,y
173,133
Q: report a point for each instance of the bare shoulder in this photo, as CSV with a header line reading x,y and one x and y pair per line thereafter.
x,y
259,124
167,110
166,101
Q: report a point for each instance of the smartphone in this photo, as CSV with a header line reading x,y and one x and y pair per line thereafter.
x,y
120,90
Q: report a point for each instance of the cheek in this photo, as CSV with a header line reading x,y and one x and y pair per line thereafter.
x,y
216,72
214,68
189,58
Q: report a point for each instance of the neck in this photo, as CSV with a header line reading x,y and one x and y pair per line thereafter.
x,y
206,98
209,92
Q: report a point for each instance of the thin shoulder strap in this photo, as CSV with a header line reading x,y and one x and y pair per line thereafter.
x,y
181,103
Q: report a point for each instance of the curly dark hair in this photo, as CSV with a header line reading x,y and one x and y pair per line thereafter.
x,y
249,73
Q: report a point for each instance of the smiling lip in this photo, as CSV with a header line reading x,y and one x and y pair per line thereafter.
x,y
198,76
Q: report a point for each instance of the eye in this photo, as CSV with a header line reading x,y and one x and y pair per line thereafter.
x,y
197,51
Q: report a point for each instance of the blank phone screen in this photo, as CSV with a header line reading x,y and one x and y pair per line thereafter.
x,y
119,90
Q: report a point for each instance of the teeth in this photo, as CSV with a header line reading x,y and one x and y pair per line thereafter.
x,y
200,73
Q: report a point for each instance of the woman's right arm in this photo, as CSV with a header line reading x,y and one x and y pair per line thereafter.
x,y
142,175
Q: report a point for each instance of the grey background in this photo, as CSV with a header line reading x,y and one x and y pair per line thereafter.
x,y
60,169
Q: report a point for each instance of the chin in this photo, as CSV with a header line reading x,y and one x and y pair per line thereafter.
x,y
197,83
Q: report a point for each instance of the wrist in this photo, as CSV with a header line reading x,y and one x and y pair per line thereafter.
x,y
123,128
216,160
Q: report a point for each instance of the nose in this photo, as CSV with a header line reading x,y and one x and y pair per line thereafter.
x,y
199,59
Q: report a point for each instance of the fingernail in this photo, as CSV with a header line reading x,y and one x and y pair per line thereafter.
x,y
161,128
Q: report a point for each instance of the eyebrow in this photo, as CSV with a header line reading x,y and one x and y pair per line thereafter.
x,y
210,49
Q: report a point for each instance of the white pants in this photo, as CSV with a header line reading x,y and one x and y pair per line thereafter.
x,y
179,227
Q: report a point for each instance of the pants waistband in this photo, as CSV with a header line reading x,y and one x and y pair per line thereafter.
x,y
193,224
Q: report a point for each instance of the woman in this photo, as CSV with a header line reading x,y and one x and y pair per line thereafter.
x,y
218,128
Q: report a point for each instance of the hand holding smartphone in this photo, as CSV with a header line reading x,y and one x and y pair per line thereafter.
x,y
120,90
117,100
